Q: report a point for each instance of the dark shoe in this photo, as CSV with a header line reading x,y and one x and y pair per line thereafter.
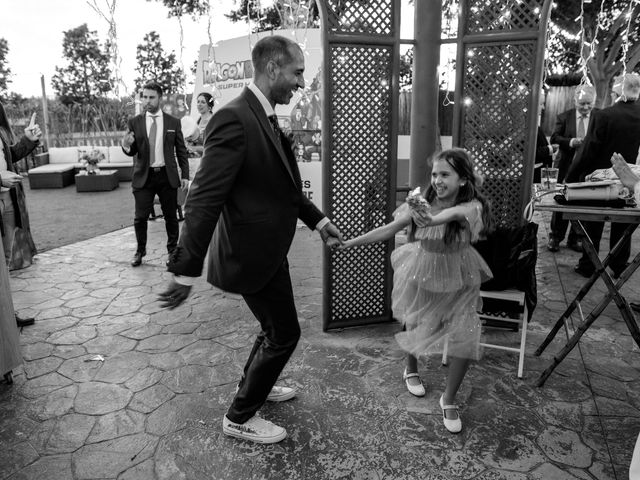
x,y
575,246
553,246
137,259
24,322
635,306
583,271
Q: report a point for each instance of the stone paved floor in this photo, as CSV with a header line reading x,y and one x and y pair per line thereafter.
x,y
151,405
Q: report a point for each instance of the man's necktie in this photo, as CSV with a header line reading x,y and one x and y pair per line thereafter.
x,y
152,140
274,124
580,133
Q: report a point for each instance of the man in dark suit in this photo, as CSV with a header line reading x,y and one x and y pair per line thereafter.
x,y
571,127
155,141
613,129
247,195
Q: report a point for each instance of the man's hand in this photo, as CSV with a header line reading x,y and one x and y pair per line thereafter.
x,y
624,172
128,139
576,142
331,236
174,295
184,184
10,179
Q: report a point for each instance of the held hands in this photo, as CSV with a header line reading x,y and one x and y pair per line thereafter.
x,y
331,236
174,295
184,184
128,139
33,132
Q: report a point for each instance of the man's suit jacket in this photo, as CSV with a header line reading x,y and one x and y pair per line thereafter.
x,y
563,132
173,146
613,129
248,189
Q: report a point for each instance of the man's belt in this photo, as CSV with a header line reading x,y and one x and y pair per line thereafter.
x,y
157,169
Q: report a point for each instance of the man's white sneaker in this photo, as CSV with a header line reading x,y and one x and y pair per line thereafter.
x,y
255,429
279,394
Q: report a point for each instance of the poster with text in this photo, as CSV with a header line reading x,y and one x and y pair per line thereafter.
x,y
225,69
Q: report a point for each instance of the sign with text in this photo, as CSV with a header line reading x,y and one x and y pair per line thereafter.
x,y
225,69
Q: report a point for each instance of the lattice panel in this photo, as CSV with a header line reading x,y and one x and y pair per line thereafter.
x,y
360,16
486,15
497,91
360,177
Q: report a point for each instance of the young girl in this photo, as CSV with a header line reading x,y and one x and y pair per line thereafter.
x,y
437,274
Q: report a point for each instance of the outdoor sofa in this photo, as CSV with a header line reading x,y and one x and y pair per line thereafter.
x,y
65,162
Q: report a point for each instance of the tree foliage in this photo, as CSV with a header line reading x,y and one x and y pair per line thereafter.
x,y
86,78
180,8
5,71
155,64
283,14
609,41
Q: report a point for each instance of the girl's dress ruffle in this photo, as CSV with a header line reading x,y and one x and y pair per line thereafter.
x,y
436,289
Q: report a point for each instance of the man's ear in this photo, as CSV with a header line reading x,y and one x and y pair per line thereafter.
x,y
272,69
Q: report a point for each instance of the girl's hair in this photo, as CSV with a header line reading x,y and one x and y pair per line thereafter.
x,y
5,129
460,160
208,98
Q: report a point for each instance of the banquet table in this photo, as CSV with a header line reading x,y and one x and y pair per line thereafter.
x,y
576,215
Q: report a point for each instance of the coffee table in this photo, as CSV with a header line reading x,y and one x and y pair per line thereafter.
x,y
102,181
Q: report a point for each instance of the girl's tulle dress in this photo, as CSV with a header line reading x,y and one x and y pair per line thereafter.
x,y
436,288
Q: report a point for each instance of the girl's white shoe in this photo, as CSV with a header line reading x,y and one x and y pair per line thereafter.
x,y
455,425
417,390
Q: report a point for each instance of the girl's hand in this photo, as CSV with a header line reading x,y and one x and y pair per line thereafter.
x,y
346,244
421,217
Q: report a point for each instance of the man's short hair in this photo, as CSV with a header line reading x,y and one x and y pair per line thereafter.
x,y
585,91
631,86
274,47
153,85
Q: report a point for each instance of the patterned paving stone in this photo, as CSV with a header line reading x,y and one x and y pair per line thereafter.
x,y
54,467
121,367
53,404
42,366
73,336
109,345
165,343
146,401
117,424
565,447
44,385
108,459
70,433
155,412
95,398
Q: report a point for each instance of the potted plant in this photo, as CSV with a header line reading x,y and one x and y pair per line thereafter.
x,y
91,160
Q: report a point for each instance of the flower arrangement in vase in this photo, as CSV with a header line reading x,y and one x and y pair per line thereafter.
x,y
91,160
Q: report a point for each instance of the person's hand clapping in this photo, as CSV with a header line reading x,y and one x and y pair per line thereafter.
x,y
33,132
174,295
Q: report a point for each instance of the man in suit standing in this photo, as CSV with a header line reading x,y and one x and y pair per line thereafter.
x,y
155,141
613,129
571,127
247,195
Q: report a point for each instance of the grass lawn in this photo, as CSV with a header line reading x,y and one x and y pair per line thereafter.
x,y
61,216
